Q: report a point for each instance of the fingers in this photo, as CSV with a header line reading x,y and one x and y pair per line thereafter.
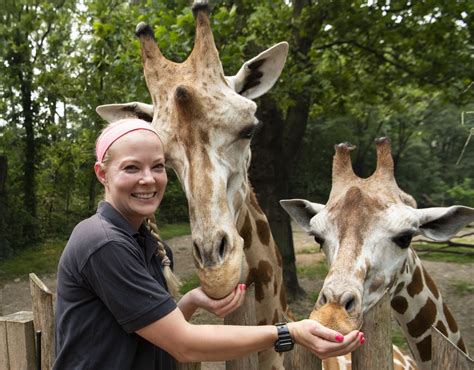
x,y
324,342
350,343
232,302
326,333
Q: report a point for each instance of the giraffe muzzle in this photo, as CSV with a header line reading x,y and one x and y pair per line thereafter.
x,y
219,268
340,312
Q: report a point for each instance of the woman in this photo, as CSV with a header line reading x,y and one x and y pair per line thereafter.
x,y
113,308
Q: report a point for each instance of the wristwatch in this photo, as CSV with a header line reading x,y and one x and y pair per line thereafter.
x,y
284,342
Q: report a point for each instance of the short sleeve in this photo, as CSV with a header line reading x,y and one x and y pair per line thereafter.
x,y
118,276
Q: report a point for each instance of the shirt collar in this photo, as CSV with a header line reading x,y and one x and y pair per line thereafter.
x,y
149,246
106,210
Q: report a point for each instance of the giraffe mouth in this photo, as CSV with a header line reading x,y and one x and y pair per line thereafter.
x,y
220,280
335,317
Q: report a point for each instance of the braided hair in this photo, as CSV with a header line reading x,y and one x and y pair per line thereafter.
x,y
171,279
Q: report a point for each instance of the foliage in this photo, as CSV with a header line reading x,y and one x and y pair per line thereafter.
x,y
409,78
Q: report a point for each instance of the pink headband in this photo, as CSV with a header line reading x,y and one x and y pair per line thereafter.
x,y
118,129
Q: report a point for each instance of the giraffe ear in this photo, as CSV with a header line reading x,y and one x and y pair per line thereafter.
x,y
259,74
115,112
442,223
302,211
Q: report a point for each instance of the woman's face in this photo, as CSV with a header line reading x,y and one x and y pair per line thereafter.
x,y
134,175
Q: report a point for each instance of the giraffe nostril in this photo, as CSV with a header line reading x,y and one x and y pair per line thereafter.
x,y
350,303
197,253
222,248
322,299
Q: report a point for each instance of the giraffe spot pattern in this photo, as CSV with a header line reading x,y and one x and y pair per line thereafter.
x,y
431,285
254,203
376,283
423,320
263,232
276,317
424,349
262,275
442,328
461,345
450,319
399,288
246,232
399,304
416,285
402,270
278,256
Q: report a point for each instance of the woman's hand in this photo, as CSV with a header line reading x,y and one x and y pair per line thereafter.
x,y
220,307
322,341
196,298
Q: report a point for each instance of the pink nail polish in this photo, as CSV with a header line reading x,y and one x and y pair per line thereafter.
x,y
362,340
339,338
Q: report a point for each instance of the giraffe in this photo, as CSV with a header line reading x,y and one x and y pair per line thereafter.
x,y
206,121
365,230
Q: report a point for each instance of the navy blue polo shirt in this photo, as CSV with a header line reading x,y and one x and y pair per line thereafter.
x,y
110,284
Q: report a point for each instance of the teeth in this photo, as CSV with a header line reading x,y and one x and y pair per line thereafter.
x,y
144,195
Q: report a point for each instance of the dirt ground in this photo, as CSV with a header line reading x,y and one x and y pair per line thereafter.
x,y
15,296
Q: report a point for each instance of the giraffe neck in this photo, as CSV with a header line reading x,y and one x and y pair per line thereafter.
x,y
263,258
265,271
418,305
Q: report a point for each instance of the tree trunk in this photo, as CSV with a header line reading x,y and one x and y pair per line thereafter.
x,y
4,244
29,185
269,174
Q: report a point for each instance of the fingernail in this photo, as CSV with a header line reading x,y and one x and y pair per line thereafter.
x,y
244,286
339,338
362,340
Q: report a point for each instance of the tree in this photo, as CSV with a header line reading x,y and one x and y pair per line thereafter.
x,y
32,35
351,59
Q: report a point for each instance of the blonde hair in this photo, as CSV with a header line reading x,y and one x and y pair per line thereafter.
x,y
171,279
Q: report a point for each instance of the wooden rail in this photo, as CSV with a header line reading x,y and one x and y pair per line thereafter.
x,y
17,339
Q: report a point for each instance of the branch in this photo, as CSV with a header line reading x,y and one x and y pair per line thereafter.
x,y
450,252
448,243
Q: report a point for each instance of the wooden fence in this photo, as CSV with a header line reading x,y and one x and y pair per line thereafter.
x,y
27,340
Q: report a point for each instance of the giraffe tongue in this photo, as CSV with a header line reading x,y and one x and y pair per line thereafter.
x,y
334,317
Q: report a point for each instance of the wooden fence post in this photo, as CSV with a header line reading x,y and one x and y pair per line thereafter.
x,y
301,359
17,341
376,354
189,366
445,355
43,316
244,315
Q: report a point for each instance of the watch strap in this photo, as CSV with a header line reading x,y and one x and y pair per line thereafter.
x,y
285,341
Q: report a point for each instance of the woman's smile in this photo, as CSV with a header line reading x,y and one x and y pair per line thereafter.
x,y
144,195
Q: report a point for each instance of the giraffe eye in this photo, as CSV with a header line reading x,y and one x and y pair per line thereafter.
x,y
249,131
403,240
319,240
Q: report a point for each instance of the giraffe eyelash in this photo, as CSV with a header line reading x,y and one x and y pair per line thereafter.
x,y
403,240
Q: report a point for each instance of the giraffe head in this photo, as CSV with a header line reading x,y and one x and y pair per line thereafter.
x,y
365,230
206,121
